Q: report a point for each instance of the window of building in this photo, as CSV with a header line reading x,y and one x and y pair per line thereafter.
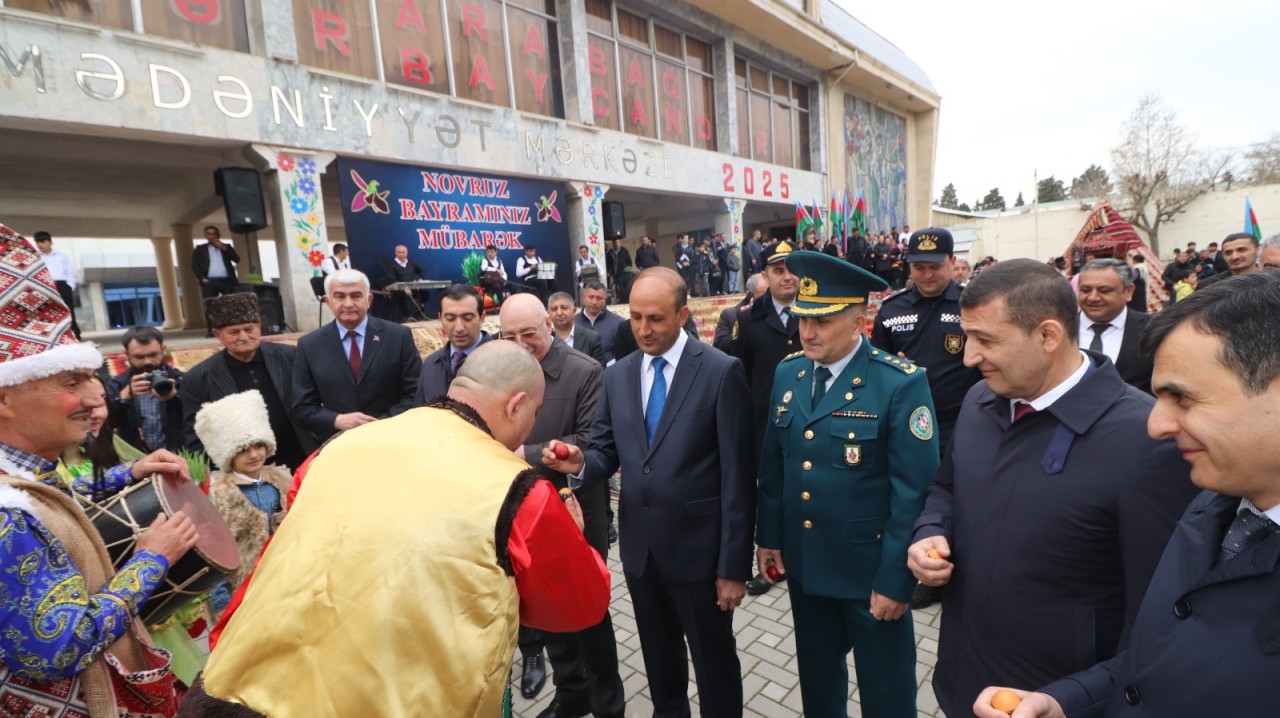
x,y
648,79
773,116
131,305
499,52
216,23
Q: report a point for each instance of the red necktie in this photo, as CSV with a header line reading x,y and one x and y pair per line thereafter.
x,y
1021,409
456,362
354,356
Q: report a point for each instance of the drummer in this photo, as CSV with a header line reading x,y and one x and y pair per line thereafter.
x,y
67,625
247,491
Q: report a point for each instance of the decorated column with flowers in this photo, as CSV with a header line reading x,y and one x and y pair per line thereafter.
x,y
298,225
586,225
731,224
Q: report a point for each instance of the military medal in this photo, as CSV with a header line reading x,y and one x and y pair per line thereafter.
x,y
853,454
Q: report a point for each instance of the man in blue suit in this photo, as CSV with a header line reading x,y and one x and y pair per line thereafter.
x,y
674,417
1207,637
849,451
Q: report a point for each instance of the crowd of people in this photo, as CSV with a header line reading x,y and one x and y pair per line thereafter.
x,y
1090,491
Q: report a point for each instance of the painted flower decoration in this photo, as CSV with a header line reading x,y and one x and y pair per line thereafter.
x,y
298,205
304,241
368,196
307,166
284,162
307,185
315,257
546,207
313,220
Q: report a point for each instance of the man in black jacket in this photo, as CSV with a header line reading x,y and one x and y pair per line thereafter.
x,y
461,319
245,363
214,264
647,254
147,415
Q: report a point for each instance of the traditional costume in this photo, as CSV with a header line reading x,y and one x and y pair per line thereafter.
x,y
397,584
69,644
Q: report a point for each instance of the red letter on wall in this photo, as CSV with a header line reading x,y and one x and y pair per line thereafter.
x,y
634,76
330,28
538,81
704,128
415,65
637,114
409,15
473,20
595,60
480,73
671,84
204,12
600,102
534,44
674,126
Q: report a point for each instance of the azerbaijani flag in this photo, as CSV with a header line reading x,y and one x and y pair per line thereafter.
x,y
837,218
1251,220
817,222
803,221
860,213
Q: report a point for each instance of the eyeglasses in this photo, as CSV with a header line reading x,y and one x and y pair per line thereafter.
x,y
523,336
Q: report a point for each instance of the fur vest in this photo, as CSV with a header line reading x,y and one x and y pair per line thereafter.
x,y
248,524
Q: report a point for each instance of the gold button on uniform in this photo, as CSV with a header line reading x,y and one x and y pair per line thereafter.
x,y
806,465
808,524
808,433
804,495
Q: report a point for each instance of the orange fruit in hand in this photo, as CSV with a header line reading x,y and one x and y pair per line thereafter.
x,y
1005,700
933,553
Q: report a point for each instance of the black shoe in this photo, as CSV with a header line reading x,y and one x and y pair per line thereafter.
x,y
760,585
560,710
925,596
613,534
533,676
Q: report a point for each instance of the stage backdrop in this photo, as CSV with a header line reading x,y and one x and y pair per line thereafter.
x,y
446,218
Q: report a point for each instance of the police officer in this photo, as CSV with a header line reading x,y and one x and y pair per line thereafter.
x,y
923,324
764,334
849,453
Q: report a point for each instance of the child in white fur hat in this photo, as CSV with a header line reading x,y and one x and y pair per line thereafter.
x,y
248,492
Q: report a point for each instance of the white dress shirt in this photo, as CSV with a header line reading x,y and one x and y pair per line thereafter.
x,y
217,266
526,266
60,268
493,265
838,366
672,356
1112,336
1045,400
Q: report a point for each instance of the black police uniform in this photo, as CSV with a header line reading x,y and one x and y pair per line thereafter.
x,y
760,341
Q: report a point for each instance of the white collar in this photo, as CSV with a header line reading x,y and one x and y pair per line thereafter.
x,y
839,365
1086,323
777,308
1272,513
1045,400
672,355
403,264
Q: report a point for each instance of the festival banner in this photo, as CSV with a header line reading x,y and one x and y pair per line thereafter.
x,y
447,218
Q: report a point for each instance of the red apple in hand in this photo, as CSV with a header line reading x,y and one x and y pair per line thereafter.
x,y
772,572
561,451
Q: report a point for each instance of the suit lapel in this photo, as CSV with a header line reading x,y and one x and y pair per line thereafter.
x,y
631,374
334,347
681,384
1129,340
1205,541
372,343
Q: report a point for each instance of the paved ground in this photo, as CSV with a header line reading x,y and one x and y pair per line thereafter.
x,y
766,647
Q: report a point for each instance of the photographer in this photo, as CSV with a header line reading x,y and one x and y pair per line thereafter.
x,y
142,398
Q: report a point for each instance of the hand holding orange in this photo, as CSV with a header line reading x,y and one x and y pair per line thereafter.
x,y
1005,700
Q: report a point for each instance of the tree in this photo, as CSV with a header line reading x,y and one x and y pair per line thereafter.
x,y
1158,167
1018,202
949,200
964,207
1050,189
993,200
1262,161
1093,182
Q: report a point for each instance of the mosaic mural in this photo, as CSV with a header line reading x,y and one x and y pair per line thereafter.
x,y
875,146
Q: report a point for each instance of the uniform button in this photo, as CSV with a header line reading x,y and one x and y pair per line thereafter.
x,y
879,536
1131,695
808,433
808,524
1181,608
647,469
806,465
804,495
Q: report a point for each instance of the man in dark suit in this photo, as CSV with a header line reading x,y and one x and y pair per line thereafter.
x,y
723,339
673,416
245,363
214,264
1058,508
461,319
587,341
617,262
647,254
357,368
595,315
406,304
1207,637
586,662
1107,324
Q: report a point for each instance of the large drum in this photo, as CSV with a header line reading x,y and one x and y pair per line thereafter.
x,y
123,516
547,270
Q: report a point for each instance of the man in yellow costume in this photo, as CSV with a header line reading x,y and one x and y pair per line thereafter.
x,y
416,548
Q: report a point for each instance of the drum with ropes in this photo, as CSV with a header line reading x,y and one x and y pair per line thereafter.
x,y
122,517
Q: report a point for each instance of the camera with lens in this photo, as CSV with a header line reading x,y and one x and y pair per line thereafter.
x,y
161,383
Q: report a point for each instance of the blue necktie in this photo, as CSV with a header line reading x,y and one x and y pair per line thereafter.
x,y
657,399
1246,531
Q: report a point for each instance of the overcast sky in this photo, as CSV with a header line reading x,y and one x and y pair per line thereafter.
x,y
1032,86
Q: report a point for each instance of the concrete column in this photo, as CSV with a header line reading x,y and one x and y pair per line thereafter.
x,y
241,245
297,224
169,301
586,226
573,56
98,303
727,110
192,303
254,257
731,224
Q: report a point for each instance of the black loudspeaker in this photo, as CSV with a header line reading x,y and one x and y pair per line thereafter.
x,y
615,221
271,308
241,191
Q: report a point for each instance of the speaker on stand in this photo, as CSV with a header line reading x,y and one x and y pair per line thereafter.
x,y
615,221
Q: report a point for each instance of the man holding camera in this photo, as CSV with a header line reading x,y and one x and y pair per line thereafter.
x,y
143,398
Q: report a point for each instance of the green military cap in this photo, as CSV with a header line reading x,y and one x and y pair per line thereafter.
x,y
829,285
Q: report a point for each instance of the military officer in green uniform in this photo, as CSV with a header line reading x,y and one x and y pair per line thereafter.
x,y
848,456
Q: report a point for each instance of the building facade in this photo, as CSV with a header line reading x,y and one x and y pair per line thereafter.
x,y
692,115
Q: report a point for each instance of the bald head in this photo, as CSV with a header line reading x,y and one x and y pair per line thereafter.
x,y
504,384
524,321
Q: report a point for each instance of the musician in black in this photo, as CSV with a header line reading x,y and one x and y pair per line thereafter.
x,y
527,273
406,304
493,276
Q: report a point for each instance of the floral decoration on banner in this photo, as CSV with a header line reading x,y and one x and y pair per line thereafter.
x,y
369,197
302,205
546,207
